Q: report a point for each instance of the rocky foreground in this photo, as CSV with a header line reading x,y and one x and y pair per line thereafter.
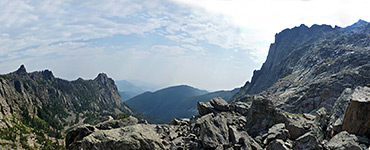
x,y
254,124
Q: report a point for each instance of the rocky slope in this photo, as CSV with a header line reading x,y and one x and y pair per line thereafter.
x,y
36,108
308,68
255,125
312,93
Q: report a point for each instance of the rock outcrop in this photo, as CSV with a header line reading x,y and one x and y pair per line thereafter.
x,y
357,117
308,68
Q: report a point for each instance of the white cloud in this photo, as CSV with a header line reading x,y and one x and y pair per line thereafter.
x,y
194,31
260,20
168,50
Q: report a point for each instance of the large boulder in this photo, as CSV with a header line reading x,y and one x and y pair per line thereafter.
x,y
205,108
277,144
213,130
112,124
297,126
357,116
277,131
262,115
219,104
139,136
344,141
78,133
337,114
242,139
241,107
307,141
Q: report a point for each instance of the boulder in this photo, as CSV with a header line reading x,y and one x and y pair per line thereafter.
x,y
180,122
297,126
241,107
321,117
219,104
205,108
336,118
242,139
112,124
307,141
344,141
357,116
213,130
139,136
277,131
262,115
77,134
277,144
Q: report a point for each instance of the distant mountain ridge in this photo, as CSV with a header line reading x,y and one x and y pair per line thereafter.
x,y
155,104
132,88
173,102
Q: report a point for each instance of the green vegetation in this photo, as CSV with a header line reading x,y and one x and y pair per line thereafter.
x,y
123,116
18,130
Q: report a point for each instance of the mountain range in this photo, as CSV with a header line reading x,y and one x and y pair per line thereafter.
x,y
158,106
173,102
37,108
311,93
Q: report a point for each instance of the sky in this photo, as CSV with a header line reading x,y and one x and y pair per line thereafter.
x,y
208,44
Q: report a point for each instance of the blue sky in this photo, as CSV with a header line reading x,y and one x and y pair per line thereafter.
x,y
209,44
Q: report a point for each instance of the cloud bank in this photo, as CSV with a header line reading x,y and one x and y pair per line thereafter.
x,y
211,44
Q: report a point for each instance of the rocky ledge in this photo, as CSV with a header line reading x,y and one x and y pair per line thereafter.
x,y
256,124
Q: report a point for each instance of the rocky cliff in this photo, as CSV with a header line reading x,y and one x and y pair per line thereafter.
x,y
39,107
308,68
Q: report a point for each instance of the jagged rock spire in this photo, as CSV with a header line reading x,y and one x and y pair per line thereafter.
x,y
21,70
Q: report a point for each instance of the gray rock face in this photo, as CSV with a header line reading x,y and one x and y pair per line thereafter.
x,y
308,68
277,131
307,141
112,124
213,130
205,108
77,134
219,104
137,136
242,139
336,118
357,116
344,141
277,144
241,107
262,115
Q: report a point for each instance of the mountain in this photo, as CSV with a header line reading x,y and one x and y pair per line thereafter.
x,y
157,105
309,68
130,89
188,107
312,93
38,107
